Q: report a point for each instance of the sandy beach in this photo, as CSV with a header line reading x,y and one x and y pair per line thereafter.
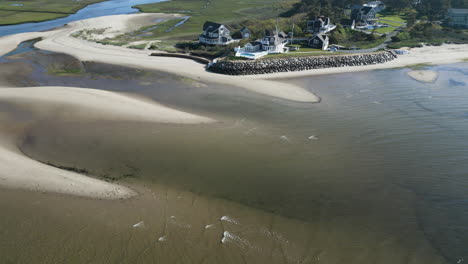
x,y
66,103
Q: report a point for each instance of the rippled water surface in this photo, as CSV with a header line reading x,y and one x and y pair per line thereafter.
x,y
375,173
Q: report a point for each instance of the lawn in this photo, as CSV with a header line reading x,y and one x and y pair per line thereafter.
x,y
221,11
39,10
299,54
15,17
393,24
394,18
385,30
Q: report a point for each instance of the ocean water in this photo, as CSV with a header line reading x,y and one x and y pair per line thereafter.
x,y
375,173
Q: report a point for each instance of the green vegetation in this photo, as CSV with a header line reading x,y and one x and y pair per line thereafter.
x,y
64,71
303,54
221,11
14,17
385,30
351,38
139,46
430,34
14,12
393,17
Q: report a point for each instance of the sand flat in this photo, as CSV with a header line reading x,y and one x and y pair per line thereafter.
x,y
425,76
19,171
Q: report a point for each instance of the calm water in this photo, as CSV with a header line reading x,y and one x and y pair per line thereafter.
x,y
375,173
112,7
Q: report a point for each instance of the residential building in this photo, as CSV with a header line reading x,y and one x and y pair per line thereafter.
x,y
319,41
321,24
363,14
457,17
245,33
349,23
273,43
215,34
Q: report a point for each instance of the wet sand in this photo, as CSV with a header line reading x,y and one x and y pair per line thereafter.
x,y
424,76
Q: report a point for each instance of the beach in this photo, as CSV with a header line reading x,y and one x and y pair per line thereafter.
x,y
61,41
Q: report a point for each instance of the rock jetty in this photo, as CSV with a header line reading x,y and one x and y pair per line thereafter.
x,y
289,64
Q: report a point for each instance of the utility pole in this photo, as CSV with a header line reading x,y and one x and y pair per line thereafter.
x,y
292,35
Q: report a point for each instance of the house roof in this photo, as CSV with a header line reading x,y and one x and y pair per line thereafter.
x,y
322,37
255,43
269,32
282,35
366,9
211,26
458,11
346,21
244,29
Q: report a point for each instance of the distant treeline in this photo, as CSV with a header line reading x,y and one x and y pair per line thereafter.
x,y
426,9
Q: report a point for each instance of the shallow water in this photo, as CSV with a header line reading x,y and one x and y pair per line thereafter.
x,y
375,173
112,7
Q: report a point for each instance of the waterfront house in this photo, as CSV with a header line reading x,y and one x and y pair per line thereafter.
x,y
348,23
253,46
245,33
363,14
273,43
321,24
457,17
215,34
319,41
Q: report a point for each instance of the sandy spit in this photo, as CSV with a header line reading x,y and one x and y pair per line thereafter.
x,y
424,76
93,104
64,103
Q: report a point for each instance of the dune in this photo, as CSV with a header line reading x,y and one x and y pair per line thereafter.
x,y
63,103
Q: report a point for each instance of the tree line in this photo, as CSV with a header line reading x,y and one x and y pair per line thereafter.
x,y
431,10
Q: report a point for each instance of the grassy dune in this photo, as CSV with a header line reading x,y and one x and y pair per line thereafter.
x,y
222,11
16,12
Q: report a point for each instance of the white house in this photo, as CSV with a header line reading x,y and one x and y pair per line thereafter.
x,y
321,24
271,43
215,34
458,17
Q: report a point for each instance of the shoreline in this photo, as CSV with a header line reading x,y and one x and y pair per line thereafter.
x,y
61,41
